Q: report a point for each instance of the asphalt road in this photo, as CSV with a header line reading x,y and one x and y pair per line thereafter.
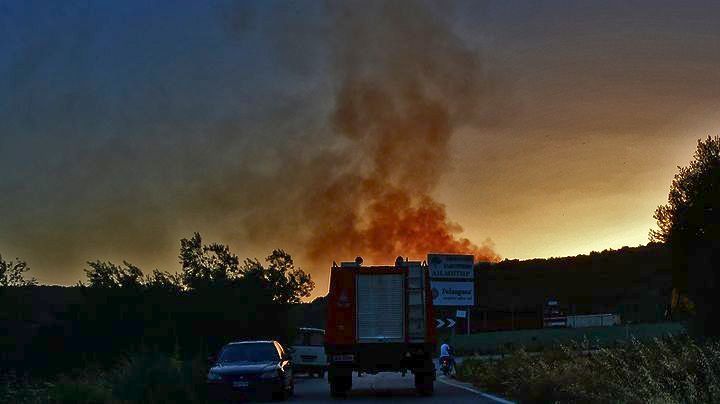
x,y
388,387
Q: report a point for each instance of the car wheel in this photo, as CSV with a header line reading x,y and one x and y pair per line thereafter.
x,y
339,386
281,394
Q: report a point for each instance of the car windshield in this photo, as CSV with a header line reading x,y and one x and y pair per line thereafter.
x,y
310,338
316,339
252,352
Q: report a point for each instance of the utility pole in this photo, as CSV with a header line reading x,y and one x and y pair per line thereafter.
x,y
468,320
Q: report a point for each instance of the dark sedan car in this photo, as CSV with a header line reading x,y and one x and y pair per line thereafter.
x,y
251,369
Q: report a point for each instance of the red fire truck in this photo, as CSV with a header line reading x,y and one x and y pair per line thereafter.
x,y
380,319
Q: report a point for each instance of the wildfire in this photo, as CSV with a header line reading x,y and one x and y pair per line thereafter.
x,y
395,222
396,107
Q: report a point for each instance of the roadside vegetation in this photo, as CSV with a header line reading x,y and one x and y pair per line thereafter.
x,y
147,377
667,370
125,336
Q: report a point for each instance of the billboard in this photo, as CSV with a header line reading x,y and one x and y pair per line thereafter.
x,y
453,293
451,266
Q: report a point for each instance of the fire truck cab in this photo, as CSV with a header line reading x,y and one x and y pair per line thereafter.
x,y
380,319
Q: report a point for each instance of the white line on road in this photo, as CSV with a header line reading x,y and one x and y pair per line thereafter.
x,y
486,395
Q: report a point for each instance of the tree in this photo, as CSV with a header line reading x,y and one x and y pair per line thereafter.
x,y
108,275
290,283
206,265
163,280
11,273
287,283
690,224
692,209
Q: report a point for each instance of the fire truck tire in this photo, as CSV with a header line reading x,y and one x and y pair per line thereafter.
x,y
424,384
339,386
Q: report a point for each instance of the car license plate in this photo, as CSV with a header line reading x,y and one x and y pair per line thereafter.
x,y
240,384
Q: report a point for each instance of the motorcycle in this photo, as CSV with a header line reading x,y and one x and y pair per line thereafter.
x,y
445,365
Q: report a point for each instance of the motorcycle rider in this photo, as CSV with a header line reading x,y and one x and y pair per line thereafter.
x,y
446,351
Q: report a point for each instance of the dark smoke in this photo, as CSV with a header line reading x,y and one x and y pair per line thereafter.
x,y
344,166
406,83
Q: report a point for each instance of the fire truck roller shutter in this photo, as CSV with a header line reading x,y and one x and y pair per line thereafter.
x,y
380,307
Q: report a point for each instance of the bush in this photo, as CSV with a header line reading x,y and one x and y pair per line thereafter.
x,y
80,392
154,378
669,370
15,389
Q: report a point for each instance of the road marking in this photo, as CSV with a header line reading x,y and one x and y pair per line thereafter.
x,y
486,395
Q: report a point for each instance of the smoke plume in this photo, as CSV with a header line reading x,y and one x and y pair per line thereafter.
x,y
405,84
323,131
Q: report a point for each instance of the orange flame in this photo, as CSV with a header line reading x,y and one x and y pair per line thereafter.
x,y
395,223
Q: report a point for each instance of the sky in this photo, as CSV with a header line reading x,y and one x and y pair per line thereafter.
x,y
332,129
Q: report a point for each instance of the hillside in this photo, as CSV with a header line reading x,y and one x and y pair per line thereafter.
x,y
632,281
635,281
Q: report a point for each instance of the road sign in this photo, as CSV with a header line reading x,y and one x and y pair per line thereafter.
x,y
452,279
453,293
448,323
451,266
461,314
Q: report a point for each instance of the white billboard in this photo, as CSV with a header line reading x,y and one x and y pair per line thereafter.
x,y
453,293
451,266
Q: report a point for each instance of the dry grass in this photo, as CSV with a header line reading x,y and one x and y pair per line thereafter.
x,y
669,370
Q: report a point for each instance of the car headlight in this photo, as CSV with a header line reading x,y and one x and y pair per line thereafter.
x,y
272,374
214,377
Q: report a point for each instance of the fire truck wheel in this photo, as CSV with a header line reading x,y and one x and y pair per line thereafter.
x,y
424,384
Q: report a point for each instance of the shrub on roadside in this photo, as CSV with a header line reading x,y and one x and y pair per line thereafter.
x,y
148,377
68,391
670,370
153,378
15,389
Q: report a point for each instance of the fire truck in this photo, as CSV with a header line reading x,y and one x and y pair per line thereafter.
x,y
380,319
